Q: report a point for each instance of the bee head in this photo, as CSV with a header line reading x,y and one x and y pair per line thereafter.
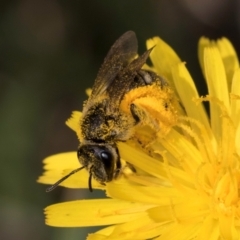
x,y
102,160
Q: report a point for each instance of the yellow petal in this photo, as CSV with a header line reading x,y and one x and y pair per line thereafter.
x,y
202,44
217,86
227,227
61,161
209,229
74,123
162,213
216,76
141,228
97,212
96,236
102,234
163,57
149,164
181,149
190,210
229,57
187,92
179,231
145,194
227,52
88,92
235,98
237,140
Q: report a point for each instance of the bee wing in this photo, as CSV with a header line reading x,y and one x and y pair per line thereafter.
x,y
118,57
125,80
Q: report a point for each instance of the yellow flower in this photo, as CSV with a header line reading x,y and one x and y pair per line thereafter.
x,y
187,183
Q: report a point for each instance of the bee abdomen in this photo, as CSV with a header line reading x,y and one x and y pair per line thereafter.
x,y
145,78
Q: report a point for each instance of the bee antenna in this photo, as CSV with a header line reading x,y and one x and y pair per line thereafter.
x,y
90,181
49,189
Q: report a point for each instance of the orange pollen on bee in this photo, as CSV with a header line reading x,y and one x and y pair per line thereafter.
x,y
157,106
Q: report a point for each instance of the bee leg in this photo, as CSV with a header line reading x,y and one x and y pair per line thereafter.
x,y
118,168
134,112
129,165
140,115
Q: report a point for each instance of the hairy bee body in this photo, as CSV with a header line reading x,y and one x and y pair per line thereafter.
x,y
104,122
101,124
119,102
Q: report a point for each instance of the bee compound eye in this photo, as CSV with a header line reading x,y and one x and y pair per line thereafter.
x,y
105,156
107,159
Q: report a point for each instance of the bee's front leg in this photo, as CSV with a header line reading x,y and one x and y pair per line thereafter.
x,y
141,115
135,113
117,171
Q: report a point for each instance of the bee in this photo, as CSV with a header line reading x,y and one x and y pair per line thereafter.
x,y
104,122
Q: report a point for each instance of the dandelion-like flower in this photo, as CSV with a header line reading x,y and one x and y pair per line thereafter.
x,y
186,184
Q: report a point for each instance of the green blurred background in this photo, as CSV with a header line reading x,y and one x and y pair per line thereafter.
x,y
50,52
